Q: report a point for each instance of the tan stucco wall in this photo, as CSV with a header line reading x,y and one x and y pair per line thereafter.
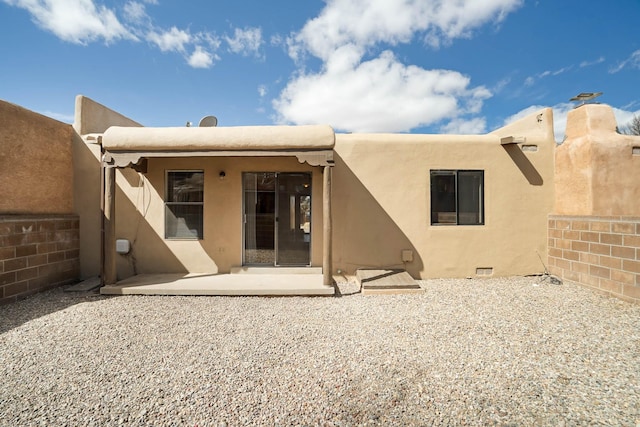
x,y
140,215
88,193
90,117
596,172
381,193
36,172
93,117
380,205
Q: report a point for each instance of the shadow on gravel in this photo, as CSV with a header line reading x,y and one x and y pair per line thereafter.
x,y
345,287
42,304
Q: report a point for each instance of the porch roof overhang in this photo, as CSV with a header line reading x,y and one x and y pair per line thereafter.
x,y
126,146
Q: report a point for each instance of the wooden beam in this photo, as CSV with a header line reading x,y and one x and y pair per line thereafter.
x,y
109,250
327,265
513,140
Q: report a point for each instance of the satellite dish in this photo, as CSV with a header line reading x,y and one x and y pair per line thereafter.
x,y
208,122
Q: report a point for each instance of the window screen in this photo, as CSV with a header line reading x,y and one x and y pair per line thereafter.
x,y
184,205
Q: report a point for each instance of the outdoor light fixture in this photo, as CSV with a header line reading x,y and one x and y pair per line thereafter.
x,y
222,175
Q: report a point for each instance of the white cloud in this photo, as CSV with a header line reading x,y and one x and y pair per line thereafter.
x,y
172,40
529,81
207,38
383,94
262,91
560,112
277,40
559,71
75,21
200,58
630,105
459,126
86,21
366,23
501,85
245,41
590,63
135,12
633,61
624,117
380,95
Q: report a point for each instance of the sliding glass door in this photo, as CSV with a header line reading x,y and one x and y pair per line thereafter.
x,y
277,218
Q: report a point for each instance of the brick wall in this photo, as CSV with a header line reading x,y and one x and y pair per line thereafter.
x,y
602,253
37,253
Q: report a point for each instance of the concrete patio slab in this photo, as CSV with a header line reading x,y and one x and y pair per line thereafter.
x,y
221,284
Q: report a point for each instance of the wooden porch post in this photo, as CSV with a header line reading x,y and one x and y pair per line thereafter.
x,y
109,250
327,267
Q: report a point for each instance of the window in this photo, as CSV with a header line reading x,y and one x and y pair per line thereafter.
x,y
457,197
184,204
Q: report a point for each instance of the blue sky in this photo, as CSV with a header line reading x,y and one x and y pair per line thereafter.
x,y
430,66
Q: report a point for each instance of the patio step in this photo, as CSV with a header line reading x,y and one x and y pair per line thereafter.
x,y
386,281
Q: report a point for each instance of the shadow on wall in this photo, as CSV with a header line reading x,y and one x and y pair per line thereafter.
x,y
86,199
146,246
148,250
524,164
364,235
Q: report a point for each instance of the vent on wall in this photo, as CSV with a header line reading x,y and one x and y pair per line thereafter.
x,y
530,147
484,271
635,151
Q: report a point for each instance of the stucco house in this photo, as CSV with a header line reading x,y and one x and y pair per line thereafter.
x,y
213,199
211,202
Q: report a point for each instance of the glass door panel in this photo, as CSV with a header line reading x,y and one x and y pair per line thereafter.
x,y
293,219
259,218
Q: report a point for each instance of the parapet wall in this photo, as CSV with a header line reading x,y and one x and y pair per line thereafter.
x,y
93,117
36,165
602,253
37,252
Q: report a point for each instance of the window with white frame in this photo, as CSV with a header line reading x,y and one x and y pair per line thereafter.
x,y
184,204
457,197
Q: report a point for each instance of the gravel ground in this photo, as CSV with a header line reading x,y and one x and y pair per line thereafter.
x,y
466,352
